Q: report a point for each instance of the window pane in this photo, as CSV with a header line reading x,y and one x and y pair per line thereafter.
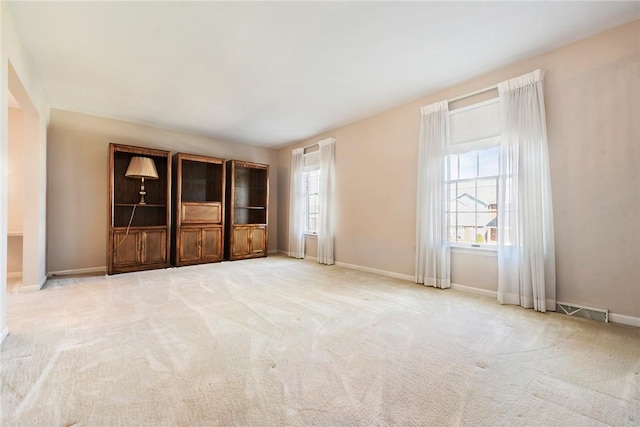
x,y
466,219
450,190
486,193
314,183
453,222
313,203
467,234
466,197
487,212
452,172
468,165
312,200
488,161
312,225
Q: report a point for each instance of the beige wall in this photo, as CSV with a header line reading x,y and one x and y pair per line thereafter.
x,y
592,94
17,76
78,154
16,171
14,254
16,189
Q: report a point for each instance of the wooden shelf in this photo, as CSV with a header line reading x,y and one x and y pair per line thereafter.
x,y
198,209
139,227
146,205
146,225
247,207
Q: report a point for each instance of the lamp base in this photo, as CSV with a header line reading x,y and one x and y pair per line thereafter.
x,y
142,192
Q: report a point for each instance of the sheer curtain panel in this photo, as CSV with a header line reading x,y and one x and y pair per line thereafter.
x,y
327,201
296,204
526,249
432,245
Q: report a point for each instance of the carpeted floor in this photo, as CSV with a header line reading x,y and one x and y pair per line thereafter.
x,y
286,342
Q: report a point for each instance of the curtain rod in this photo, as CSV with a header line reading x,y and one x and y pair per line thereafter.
x,y
317,143
477,92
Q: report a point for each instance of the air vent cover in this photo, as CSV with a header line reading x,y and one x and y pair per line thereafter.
x,y
598,314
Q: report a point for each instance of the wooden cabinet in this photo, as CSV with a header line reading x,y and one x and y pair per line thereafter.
x,y
198,195
249,241
138,233
247,210
200,244
139,247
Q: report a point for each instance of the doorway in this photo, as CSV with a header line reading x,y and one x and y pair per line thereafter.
x,y
15,195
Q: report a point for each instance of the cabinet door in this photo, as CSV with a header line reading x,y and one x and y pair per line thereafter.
x,y
212,243
258,240
154,246
126,248
240,242
190,244
209,212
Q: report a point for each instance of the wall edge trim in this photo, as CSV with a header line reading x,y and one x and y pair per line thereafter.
x,y
375,270
101,269
473,290
613,317
624,319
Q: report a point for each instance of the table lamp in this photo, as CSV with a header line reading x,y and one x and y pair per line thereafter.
x,y
142,167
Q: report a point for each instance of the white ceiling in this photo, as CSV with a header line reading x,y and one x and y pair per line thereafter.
x,y
270,73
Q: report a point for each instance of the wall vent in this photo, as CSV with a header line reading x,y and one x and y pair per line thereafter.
x,y
597,314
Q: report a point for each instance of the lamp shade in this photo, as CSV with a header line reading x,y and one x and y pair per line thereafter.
x,y
142,167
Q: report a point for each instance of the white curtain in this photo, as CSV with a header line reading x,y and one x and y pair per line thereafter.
x,y
432,245
526,250
327,201
296,204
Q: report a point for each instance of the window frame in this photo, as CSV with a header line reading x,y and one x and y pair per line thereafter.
x,y
306,174
450,197
472,145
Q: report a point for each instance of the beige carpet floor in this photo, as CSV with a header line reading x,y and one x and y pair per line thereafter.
x,y
286,342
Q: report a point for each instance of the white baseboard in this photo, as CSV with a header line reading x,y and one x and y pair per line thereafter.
x,y
306,257
375,270
476,291
4,334
624,320
102,269
613,317
35,287
311,258
14,275
272,251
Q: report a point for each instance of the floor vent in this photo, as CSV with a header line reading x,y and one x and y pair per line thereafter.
x,y
597,314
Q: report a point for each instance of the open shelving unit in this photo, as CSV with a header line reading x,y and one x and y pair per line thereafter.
x,y
138,234
248,191
198,195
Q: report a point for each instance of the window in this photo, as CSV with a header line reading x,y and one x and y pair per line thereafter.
x,y
472,170
472,189
312,196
